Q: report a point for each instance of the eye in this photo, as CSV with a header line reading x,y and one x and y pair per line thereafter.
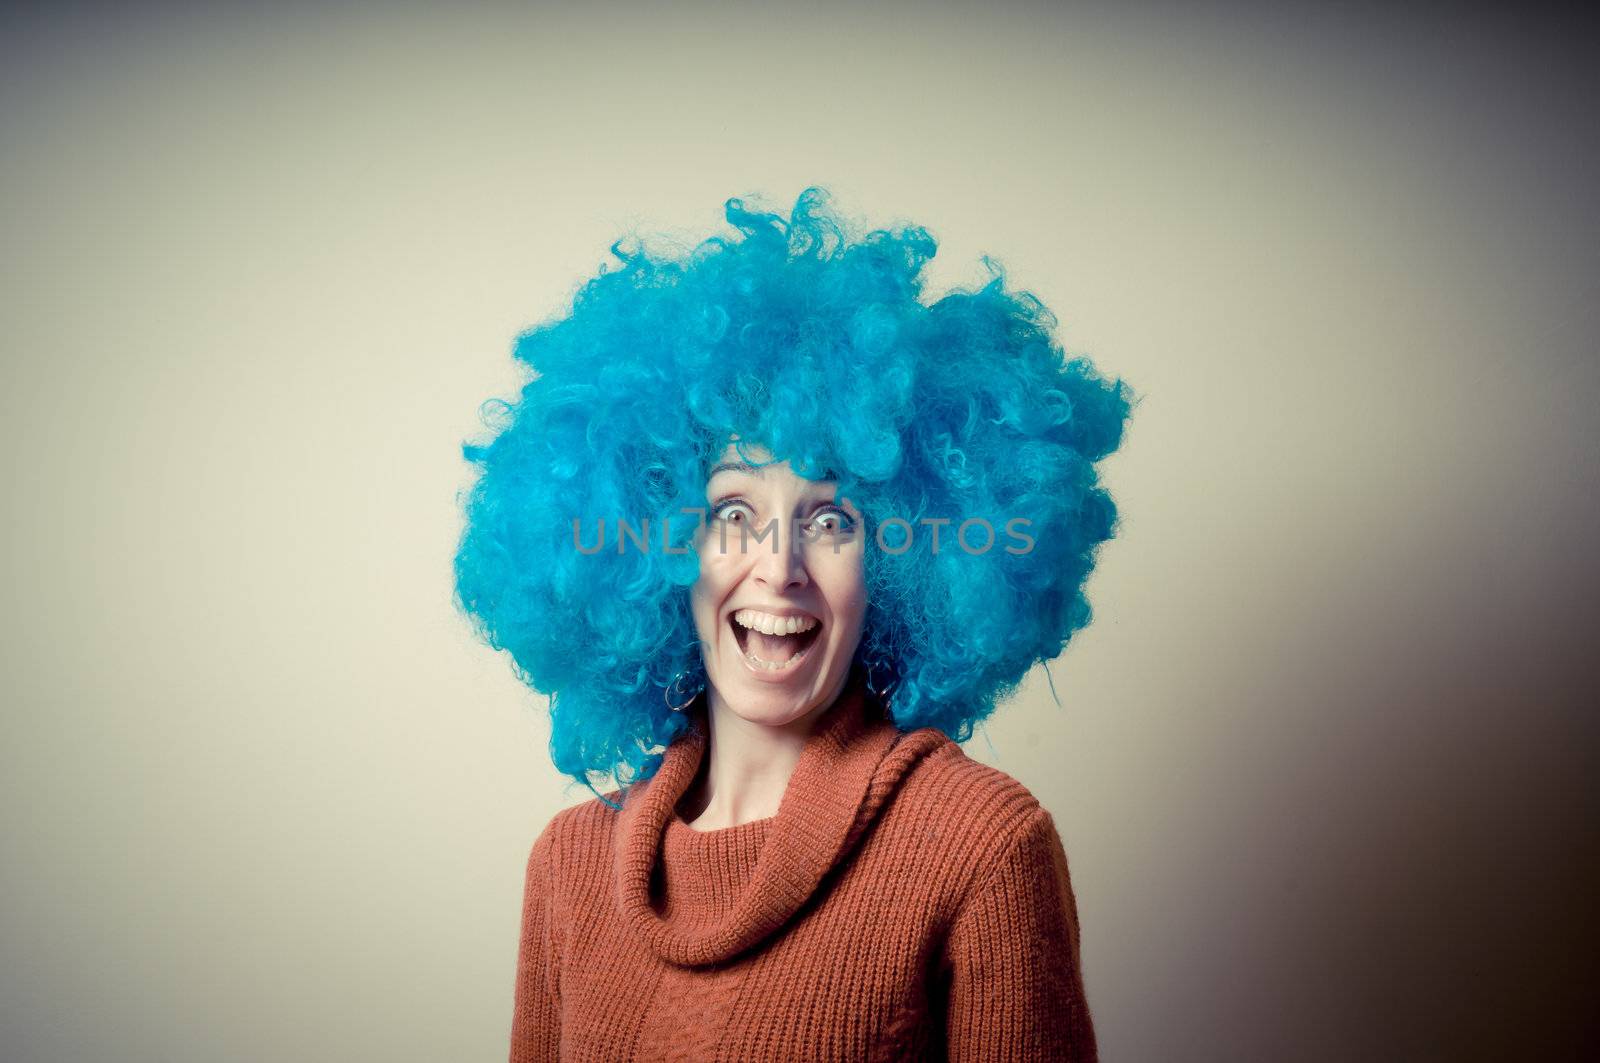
x,y
731,509
833,520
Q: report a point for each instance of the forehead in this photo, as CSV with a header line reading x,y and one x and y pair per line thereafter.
x,y
753,463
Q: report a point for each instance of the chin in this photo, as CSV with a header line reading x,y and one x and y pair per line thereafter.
x,y
771,708
764,703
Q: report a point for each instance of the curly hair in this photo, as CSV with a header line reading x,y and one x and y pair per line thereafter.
x,y
818,346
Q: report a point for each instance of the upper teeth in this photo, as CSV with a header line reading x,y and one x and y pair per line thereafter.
x,y
768,624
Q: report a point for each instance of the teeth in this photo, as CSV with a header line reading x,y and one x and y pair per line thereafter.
x,y
777,666
768,624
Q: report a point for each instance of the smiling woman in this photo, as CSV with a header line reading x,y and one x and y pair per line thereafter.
x,y
797,859
778,606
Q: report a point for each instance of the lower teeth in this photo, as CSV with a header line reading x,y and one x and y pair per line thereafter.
x,y
773,666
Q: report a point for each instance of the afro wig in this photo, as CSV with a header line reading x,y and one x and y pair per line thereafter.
x,y
818,346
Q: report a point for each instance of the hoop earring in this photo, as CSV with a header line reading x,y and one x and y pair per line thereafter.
x,y
679,689
881,679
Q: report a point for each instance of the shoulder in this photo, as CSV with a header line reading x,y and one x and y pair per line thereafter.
x,y
968,814
575,842
966,798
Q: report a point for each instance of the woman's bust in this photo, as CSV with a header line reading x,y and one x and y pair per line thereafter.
x,y
774,534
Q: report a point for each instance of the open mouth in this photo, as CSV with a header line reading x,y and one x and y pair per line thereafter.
x,y
773,642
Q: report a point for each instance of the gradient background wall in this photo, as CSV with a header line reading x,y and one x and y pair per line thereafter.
x,y
1323,763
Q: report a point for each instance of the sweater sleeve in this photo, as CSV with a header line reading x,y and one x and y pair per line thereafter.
x,y
536,1014
1011,959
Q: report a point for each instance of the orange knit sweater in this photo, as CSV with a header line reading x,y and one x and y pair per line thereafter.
x,y
906,902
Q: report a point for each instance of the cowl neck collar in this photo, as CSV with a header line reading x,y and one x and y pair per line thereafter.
x,y
851,764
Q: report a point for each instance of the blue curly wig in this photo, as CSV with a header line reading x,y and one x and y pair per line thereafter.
x,y
817,346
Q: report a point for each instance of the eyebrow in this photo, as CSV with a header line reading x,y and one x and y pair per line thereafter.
x,y
735,466
756,470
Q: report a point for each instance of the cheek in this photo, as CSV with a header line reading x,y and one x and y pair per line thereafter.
x,y
718,577
842,581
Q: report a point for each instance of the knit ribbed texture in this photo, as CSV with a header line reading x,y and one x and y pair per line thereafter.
x,y
906,902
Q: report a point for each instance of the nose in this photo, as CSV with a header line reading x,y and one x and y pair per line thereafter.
x,y
783,565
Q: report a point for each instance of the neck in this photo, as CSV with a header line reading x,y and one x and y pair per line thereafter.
x,y
747,765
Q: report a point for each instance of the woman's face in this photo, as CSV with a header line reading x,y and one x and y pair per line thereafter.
x,y
781,595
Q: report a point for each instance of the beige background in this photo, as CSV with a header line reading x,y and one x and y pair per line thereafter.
x,y
1323,762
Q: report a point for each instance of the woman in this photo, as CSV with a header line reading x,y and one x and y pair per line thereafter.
x,y
774,535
